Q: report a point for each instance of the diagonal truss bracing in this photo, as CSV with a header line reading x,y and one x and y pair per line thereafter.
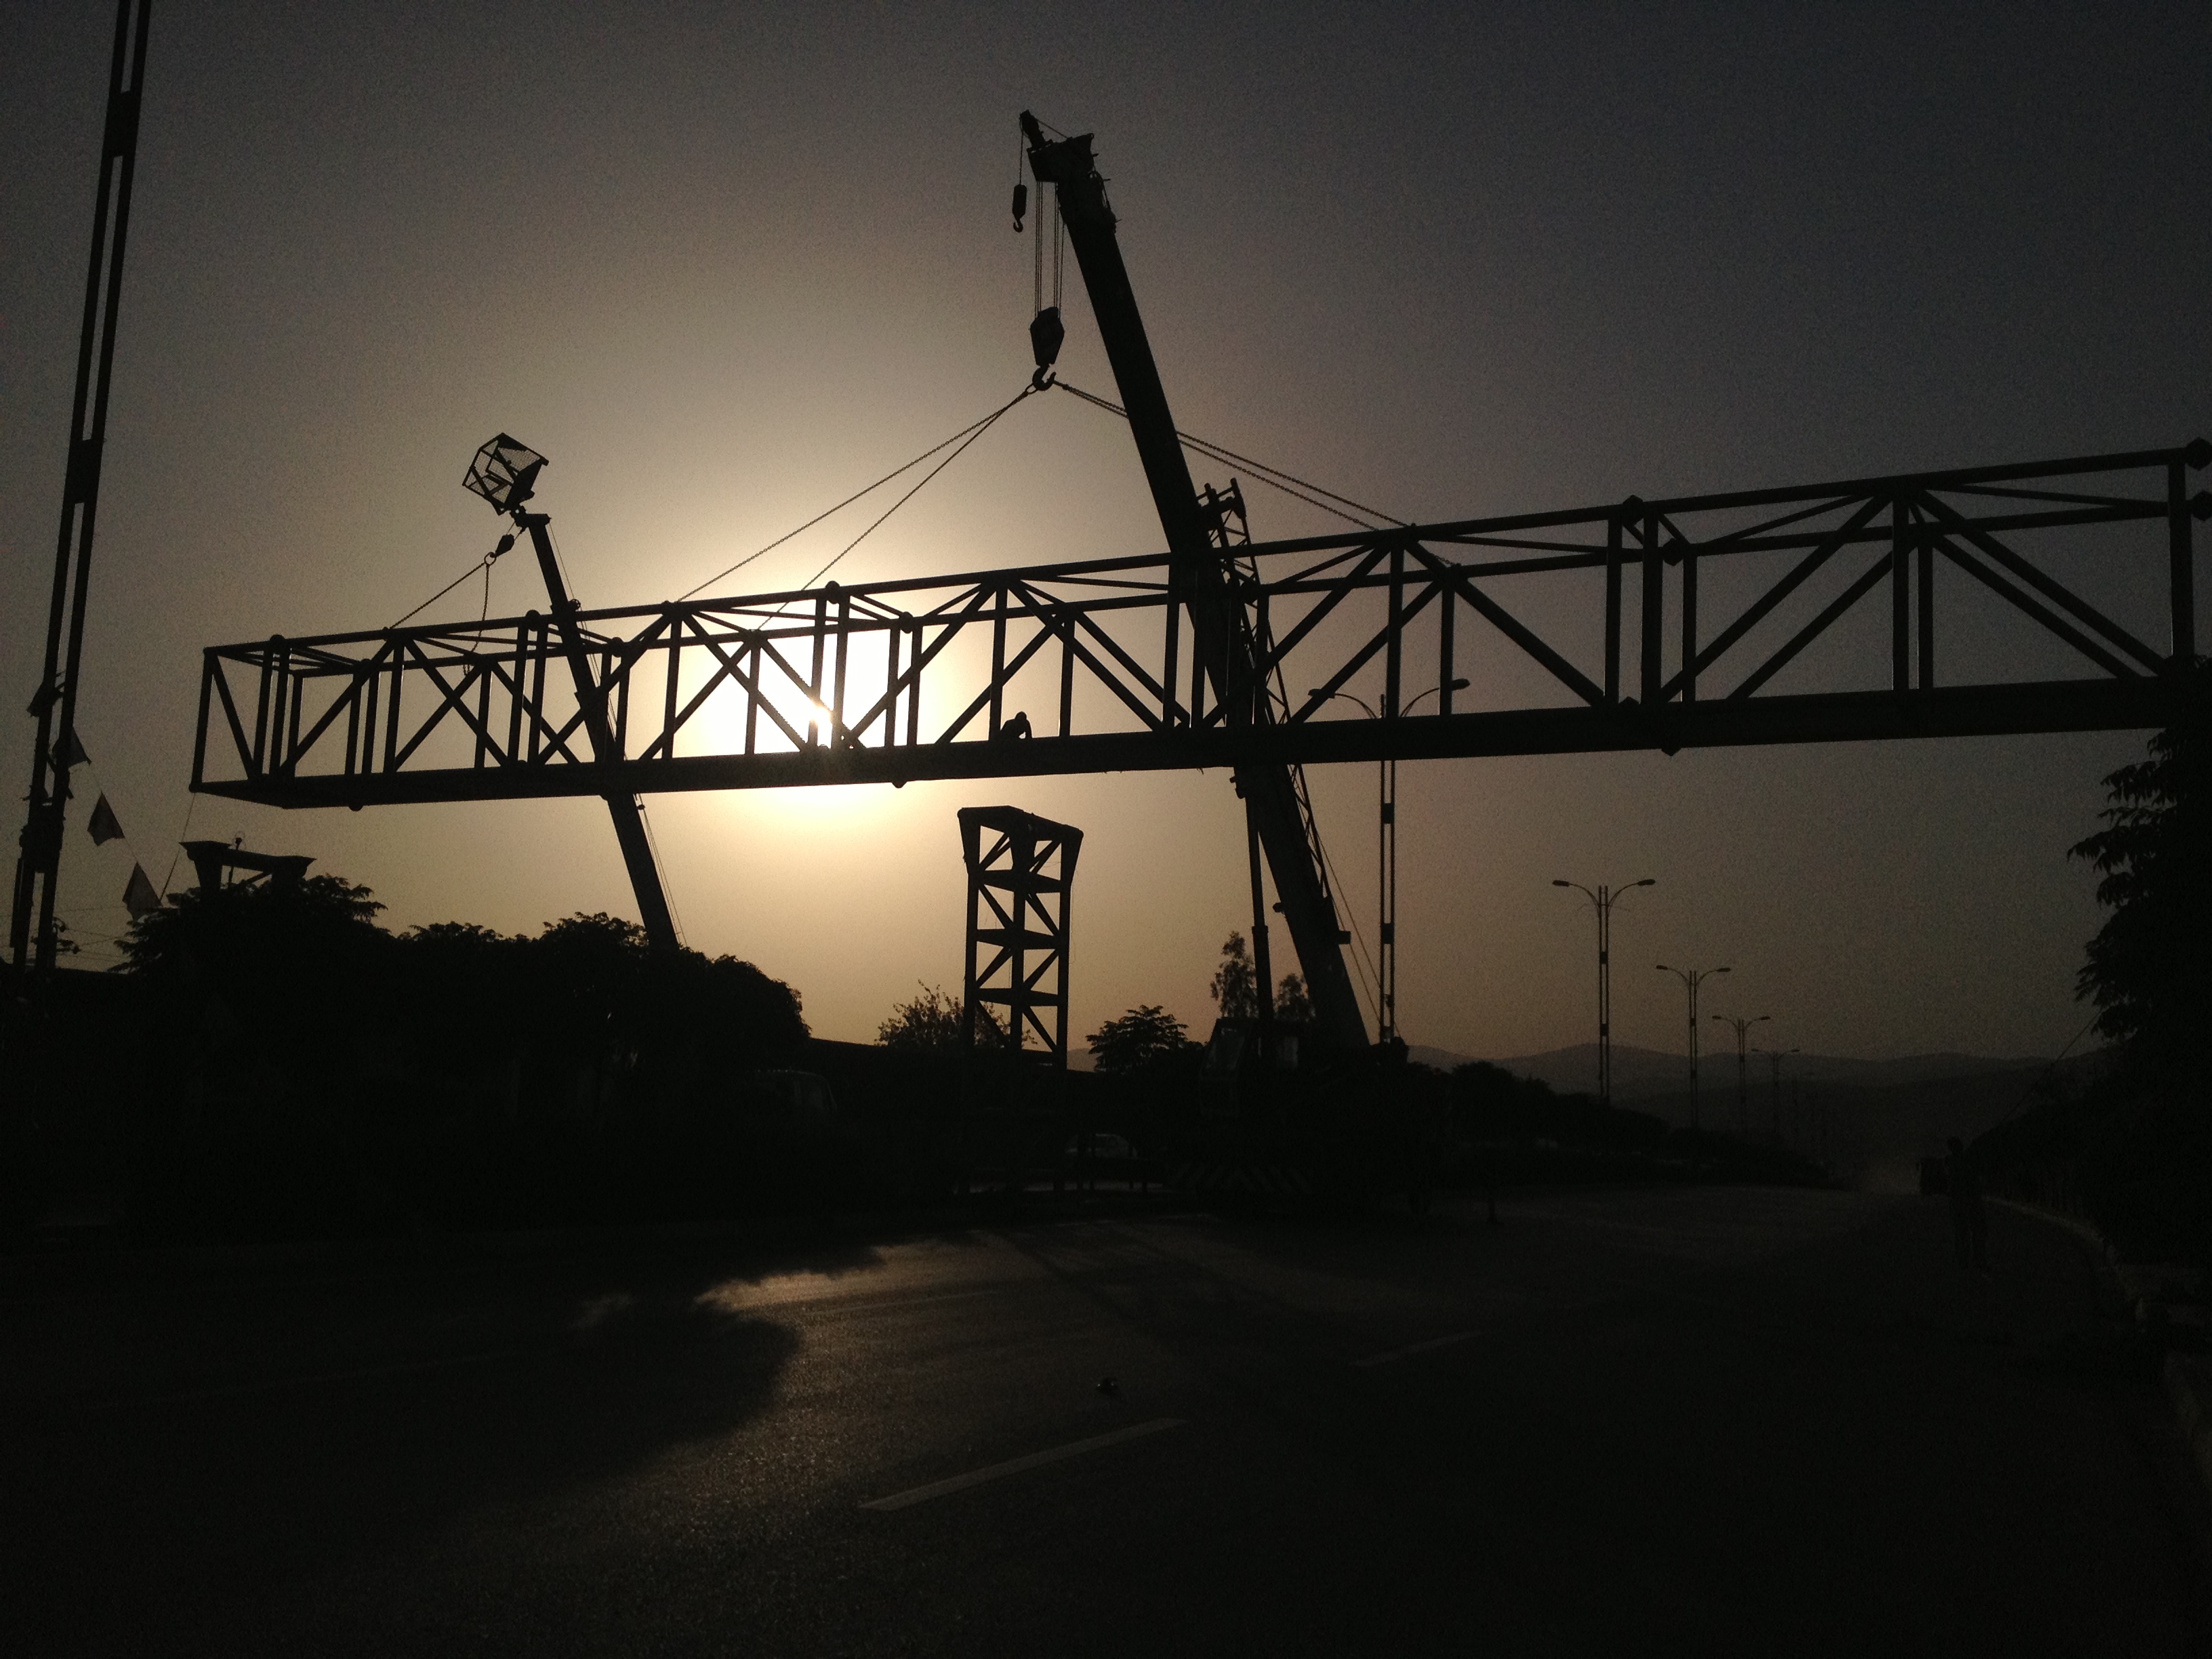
x,y
2062,594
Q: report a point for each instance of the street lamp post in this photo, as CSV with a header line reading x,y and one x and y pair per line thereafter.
x,y
1742,1065
1602,901
1692,978
1774,1059
1385,860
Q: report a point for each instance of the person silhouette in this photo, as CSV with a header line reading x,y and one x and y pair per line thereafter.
x,y
1970,1216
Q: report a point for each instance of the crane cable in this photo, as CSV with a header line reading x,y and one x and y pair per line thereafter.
x,y
484,565
964,438
1289,482
969,433
1313,495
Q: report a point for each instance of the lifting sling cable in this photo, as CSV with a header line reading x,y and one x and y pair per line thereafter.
x,y
967,437
1290,483
973,430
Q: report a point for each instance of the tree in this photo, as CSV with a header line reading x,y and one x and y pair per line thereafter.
x,y
1291,1001
264,930
2145,970
930,1024
1236,985
1141,1039
288,977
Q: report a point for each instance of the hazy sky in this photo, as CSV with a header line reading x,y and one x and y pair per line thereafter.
x,y
723,264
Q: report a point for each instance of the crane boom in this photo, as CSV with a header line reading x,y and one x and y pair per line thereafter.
x,y
1220,643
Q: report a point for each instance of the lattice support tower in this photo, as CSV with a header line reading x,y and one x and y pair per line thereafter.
x,y
1021,869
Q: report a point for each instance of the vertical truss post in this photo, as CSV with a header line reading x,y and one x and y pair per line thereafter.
x,y
1655,603
1927,613
970,981
998,658
1447,610
814,673
1613,610
261,708
1900,596
1394,650
207,698
672,682
1021,870
1386,949
2182,573
913,685
1066,674
1689,619
892,636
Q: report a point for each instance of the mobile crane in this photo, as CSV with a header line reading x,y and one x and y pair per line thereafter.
x,y
1290,1109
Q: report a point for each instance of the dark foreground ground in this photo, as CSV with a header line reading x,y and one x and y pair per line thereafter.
x,y
1717,1421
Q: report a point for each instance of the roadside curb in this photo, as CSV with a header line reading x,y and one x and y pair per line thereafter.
x,y
2186,1379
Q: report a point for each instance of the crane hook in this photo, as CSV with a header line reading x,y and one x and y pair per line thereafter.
x,y
1021,204
1047,333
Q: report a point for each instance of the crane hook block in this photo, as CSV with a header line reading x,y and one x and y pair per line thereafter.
x,y
1021,203
1046,333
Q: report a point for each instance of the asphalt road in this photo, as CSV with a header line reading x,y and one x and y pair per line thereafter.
x,y
1720,1421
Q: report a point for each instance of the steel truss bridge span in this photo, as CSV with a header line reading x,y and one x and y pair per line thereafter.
x,y
1804,614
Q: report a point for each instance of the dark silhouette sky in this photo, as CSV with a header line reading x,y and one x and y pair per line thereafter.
x,y
724,263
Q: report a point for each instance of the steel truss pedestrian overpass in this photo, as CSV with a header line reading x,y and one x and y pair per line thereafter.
x,y
2048,596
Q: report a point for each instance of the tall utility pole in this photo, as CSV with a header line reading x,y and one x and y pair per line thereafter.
x,y
1742,1068
1692,978
53,705
1774,1059
1602,901
1386,863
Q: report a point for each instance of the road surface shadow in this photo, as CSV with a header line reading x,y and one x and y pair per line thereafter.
x,y
198,1441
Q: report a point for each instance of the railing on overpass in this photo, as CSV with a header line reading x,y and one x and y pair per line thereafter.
x,y
2068,603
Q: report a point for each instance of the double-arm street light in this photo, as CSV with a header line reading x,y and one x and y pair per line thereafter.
x,y
1386,860
1692,978
1743,1061
1774,1059
1602,901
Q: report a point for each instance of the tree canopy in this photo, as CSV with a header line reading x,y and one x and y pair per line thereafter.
x,y
2145,970
1236,988
1236,985
931,1022
304,971
1141,1039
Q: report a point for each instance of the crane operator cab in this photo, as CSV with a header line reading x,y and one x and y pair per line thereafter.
x,y
1283,1117
1249,1062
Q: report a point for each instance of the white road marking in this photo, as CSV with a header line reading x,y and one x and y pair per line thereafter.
x,y
1429,1346
1015,1466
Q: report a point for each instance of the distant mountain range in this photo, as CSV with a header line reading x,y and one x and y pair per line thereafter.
x,y
1646,1074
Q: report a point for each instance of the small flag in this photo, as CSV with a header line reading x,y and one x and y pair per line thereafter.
x,y
103,826
139,897
68,751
